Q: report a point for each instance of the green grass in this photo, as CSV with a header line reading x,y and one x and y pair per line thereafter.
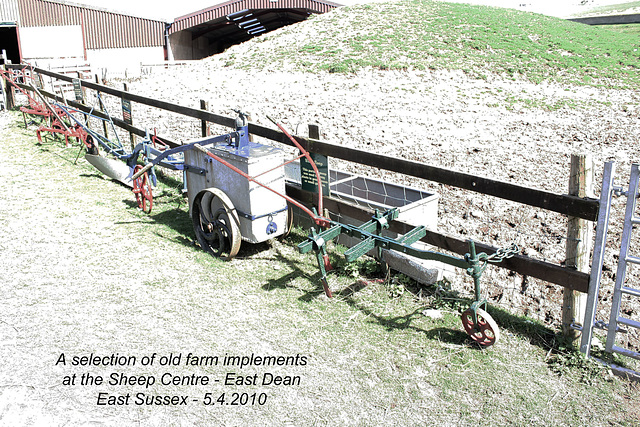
x,y
378,354
479,40
629,29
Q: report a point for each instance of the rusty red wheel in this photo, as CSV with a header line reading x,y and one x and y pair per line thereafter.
x,y
142,190
485,332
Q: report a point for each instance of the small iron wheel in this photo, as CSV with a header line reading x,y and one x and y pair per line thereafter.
x,y
216,223
142,190
486,332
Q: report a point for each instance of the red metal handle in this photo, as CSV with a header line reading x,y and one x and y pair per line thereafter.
x,y
319,220
309,159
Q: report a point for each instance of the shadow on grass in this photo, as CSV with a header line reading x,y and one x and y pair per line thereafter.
x,y
406,321
96,175
536,333
170,210
285,282
350,296
175,218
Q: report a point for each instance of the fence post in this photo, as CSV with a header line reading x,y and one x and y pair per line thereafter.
x,y
82,88
8,93
104,123
132,137
579,242
314,131
204,105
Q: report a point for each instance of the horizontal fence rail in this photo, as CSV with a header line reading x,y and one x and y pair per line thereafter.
x,y
585,208
552,273
116,121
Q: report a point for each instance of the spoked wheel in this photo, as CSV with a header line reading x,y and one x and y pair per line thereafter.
x,y
216,223
486,333
142,190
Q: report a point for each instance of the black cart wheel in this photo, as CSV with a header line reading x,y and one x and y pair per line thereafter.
x,y
216,223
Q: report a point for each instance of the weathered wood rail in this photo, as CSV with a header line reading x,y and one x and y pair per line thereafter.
x,y
585,208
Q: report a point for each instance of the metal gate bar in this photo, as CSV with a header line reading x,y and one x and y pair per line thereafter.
x,y
606,194
620,289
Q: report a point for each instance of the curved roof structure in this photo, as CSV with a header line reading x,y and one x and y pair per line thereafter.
x,y
236,21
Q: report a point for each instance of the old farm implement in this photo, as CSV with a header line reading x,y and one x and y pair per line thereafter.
x,y
227,207
52,116
35,107
107,155
236,191
476,321
227,202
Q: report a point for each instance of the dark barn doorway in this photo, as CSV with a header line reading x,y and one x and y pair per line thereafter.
x,y
9,42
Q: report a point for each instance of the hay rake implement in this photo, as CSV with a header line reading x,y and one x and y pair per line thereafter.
x,y
51,117
35,108
476,321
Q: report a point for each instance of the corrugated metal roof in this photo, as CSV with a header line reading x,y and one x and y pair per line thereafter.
x,y
9,11
102,29
224,9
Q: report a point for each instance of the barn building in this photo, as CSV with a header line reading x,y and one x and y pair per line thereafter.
x,y
47,32
52,32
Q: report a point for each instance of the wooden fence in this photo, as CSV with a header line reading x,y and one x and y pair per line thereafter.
x,y
573,206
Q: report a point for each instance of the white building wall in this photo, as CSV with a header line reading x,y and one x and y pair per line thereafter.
x,y
52,42
124,61
63,46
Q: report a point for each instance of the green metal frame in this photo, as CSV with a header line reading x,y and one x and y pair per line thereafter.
x,y
371,235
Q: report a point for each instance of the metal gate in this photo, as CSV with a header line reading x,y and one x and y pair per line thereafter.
x,y
623,288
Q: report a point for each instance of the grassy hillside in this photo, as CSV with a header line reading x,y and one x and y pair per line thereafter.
x,y
631,29
422,34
